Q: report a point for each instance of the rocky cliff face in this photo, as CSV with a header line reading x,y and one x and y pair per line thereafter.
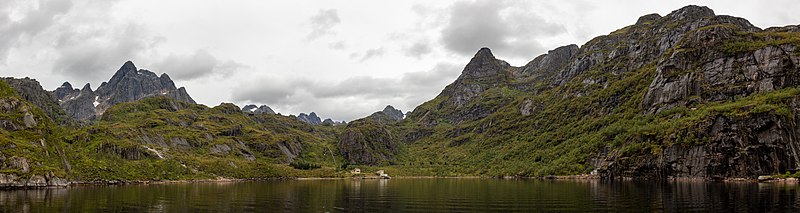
x,y
128,84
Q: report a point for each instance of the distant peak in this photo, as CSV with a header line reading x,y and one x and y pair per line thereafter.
x,y
66,85
484,52
648,18
692,12
87,87
388,107
128,66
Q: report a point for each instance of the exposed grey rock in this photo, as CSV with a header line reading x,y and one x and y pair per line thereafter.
x,y
526,108
30,122
312,118
220,149
649,18
253,109
289,150
249,108
393,113
20,163
80,105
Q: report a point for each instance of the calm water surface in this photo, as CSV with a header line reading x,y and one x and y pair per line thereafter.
x,y
411,195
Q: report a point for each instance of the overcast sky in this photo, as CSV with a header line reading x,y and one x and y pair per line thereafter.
x,y
341,59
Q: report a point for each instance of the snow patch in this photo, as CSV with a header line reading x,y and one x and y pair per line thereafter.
x,y
154,151
95,101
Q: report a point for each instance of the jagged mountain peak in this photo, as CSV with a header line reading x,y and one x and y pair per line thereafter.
x,y
253,109
484,52
692,12
66,85
127,84
87,88
483,65
395,114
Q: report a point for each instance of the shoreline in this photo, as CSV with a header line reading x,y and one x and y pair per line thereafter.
x,y
760,179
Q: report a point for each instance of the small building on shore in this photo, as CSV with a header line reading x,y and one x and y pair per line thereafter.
x,y
355,171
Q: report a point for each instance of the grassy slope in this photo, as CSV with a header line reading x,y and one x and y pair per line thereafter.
x,y
35,145
104,148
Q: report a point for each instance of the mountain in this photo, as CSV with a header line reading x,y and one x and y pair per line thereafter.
x,y
126,85
257,109
311,118
689,94
394,114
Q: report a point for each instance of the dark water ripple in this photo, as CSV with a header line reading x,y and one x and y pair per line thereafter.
x,y
412,195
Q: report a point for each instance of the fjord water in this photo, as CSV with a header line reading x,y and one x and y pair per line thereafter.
x,y
410,195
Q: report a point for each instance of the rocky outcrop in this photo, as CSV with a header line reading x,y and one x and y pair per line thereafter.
x,y
253,109
128,84
393,113
14,181
31,91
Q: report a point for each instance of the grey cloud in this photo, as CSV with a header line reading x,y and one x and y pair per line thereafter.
x,y
418,49
505,26
371,53
27,24
322,23
196,65
95,55
339,45
338,99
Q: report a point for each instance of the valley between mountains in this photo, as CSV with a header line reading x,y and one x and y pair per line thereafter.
x,y
690,94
